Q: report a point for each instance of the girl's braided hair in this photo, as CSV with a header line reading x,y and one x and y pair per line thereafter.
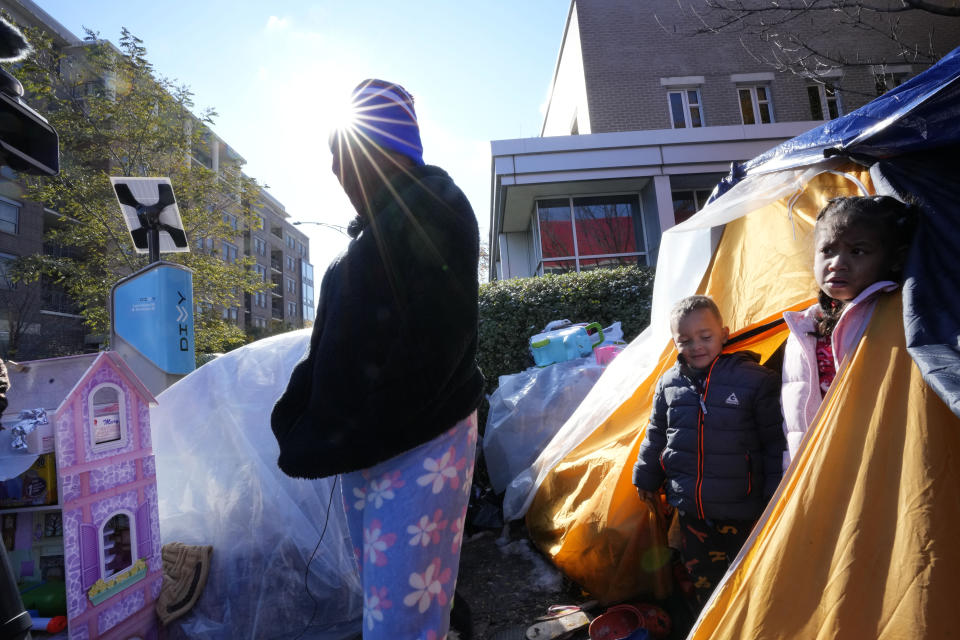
x,y
893,219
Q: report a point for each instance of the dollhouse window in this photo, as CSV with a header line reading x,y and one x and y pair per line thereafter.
x,y
117,544
108,417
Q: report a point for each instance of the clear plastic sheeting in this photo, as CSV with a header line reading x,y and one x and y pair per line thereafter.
x,y
527,410
218,484
685,252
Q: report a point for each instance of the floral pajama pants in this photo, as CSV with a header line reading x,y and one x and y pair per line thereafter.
x,y
406,519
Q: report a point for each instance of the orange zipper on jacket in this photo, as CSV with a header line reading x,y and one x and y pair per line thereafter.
x,y
698,494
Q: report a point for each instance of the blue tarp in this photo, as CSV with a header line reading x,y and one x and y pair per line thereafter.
x,y
922,113
910,137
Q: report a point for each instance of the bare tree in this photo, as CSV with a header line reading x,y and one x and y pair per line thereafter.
x,y
813,37
19,311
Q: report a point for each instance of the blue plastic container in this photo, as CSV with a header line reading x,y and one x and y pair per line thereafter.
x,y
565,344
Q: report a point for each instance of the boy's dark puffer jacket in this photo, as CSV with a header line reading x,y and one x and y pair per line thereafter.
x,y
728,468
392,360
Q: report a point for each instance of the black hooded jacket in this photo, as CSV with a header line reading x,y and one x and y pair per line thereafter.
x,y
392,359
722,458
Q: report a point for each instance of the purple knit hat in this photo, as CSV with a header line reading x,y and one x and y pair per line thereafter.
x,y
384,114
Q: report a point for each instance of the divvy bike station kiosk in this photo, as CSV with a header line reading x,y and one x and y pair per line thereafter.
x,y
151,311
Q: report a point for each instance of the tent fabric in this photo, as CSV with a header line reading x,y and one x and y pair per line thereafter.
x,y
686,252
931,305
861,535
586,514
860,541
920,114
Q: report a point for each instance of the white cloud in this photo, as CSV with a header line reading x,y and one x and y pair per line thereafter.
x,y
277,24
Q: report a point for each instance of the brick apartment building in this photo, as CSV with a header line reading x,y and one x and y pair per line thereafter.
x,y
643,118
39,320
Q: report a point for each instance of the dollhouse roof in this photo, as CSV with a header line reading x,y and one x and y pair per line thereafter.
x,y
45,384
113,358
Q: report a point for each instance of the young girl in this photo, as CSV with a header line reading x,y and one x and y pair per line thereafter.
x,y
860,247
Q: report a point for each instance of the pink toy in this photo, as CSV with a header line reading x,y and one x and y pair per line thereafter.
x,y
108,493
607,353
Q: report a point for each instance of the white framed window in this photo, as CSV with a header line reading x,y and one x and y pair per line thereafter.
x,y
756,106
824,101
9,216
889,78
107,413
686,109
589,232
118,539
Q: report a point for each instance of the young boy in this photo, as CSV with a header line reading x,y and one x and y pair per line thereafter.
x,y
716,437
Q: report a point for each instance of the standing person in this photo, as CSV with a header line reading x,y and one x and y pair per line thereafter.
x,y
860,249
388,392
715,438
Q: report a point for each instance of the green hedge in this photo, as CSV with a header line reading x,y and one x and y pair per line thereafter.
x,y
513,310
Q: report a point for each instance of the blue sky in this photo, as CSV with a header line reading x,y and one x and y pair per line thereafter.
x,y
479,71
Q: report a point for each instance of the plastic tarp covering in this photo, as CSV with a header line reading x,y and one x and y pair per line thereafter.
x,y
931,305
685,254
922,113
861,539
526,411
219,484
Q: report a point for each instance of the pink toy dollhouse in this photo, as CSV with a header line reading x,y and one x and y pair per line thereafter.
x,y
108,491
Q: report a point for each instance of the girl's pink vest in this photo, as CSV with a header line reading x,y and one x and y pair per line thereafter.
x,y
800,395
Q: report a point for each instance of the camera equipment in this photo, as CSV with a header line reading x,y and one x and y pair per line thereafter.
x,y
27,141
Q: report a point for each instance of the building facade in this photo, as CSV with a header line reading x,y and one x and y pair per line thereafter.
x,y
643,119
39,320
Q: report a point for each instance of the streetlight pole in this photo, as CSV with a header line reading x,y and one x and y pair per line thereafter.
x,y
335,227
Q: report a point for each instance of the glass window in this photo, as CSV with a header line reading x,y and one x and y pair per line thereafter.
x,y
589,264
556,228
755,105
587,232
9,217
291,285
887,81
688,202
824,102
229,252
6,262
259,246
685,108
559,266
230,220
608,224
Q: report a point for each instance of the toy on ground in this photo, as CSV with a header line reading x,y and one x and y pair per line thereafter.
x,y
631,621
559,345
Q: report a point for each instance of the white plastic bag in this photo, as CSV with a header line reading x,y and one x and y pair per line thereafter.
x,y
527,410
218,484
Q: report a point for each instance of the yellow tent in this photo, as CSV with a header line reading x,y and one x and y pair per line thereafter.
x,y
851,545
860,539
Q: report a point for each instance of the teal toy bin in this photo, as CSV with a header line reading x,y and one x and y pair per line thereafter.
x,y
564,344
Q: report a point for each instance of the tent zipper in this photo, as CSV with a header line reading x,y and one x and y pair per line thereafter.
x,y
698,495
